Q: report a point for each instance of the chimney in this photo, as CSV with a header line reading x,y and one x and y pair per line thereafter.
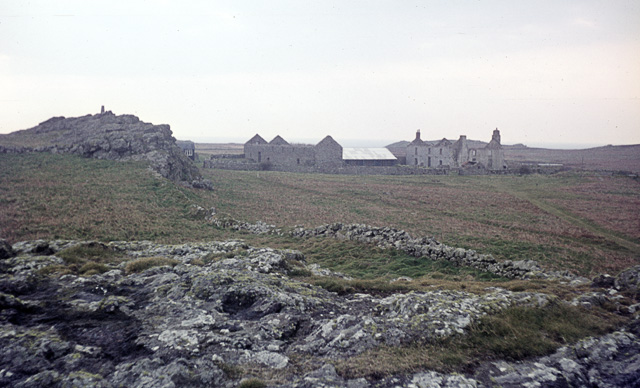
x,y
418,134
496,136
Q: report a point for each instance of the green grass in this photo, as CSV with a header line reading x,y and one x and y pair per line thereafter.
x,y
85,260
62,196
515,334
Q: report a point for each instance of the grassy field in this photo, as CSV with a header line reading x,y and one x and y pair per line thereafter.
x,y
581,222
584,223
69,197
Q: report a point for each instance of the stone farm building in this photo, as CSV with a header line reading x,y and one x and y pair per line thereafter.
x,y
327,153
445,154
328,156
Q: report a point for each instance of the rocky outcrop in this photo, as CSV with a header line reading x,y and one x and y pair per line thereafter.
x,y
107,136
225,309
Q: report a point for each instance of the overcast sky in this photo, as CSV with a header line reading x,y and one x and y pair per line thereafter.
x,y
555,72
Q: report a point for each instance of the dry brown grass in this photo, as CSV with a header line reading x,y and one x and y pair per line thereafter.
x,y
584,223
553,219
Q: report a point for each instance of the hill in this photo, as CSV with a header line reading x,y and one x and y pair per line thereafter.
x,y
611,158
107,136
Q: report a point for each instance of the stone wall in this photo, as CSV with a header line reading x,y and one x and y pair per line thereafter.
x,y
429,248
244,165
288,155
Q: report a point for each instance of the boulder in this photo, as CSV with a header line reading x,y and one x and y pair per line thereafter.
x,y
6,251
629,280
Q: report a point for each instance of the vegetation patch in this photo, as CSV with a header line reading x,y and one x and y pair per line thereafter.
x,y
217,256
92,251
252,383
84,260
515,334
145,263
369,286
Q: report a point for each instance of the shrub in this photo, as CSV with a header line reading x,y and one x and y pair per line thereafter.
x,y
371,286
252,383
265,166
524,170
93,251
93,268
145,263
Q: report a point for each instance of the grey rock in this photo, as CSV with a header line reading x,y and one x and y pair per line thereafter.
x,y
629,280
208,325
6,251
603,281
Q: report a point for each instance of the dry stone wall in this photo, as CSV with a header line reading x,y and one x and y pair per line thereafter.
x,y
423,247
247,165
429,248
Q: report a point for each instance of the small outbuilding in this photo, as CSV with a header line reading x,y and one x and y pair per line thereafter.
x,y
188,148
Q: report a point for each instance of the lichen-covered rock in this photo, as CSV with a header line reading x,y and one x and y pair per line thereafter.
x,y
629,280
227,309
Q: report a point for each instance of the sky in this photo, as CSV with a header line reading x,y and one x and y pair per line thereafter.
x,y
563,73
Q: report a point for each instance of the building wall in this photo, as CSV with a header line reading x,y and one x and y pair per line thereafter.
x,y
329,152
245,165
281,154
417,155
445,154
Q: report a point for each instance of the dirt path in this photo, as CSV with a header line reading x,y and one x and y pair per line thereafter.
x,y
578,221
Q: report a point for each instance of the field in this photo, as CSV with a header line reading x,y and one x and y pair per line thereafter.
x,y
584,223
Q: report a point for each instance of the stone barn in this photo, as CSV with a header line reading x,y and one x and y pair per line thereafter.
x,y
279,152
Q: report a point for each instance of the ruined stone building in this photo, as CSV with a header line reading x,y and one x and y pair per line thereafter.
x,y
329,156
445,154
327,153
188,148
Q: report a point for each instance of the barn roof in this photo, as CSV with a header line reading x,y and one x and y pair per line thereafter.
x,y
367,154
257,139
278,141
